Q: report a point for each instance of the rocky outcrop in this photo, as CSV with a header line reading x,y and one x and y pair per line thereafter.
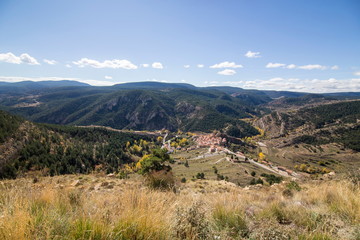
x,y
275,124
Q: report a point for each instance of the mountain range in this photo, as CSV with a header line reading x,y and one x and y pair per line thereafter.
x,y
143,105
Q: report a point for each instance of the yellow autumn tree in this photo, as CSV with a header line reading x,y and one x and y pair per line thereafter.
x,y
136,149
138,164
143,143
261,132
262,156
183,142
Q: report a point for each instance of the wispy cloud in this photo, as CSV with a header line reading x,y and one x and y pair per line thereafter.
x,y
304,67
311,85
23,58
312,67
275,65
227,72
291,66
357,73
51,62
155,80
226,65
115,63
186,66
251,54
145,65
157,65
212,83
200,65
108,77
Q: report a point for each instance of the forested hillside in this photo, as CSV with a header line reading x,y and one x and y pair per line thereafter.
x,y
327,123
53,150
180,107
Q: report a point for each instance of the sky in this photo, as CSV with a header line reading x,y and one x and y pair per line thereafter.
x,y
306,46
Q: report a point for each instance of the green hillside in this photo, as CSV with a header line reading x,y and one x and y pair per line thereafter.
x,y
323,124
28,147
143,109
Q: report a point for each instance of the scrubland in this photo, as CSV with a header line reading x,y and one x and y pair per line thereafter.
x,y
100,207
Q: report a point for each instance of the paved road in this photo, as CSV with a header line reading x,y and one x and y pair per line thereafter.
x,y
164,139
282,173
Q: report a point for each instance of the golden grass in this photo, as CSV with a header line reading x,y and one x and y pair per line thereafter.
x,y
54,208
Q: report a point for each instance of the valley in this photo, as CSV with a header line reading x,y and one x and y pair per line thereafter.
x,y
97,163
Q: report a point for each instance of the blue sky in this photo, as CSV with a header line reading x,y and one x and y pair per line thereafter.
x,y
302,45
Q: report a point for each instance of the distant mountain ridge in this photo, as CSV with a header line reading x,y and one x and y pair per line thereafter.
x,y
138,106
26,86
144,105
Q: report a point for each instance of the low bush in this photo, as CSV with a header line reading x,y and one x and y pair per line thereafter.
x,y
163,180
191,223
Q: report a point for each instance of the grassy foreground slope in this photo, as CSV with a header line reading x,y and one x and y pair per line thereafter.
x,y
96,207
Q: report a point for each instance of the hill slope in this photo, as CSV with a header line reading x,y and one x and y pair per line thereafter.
x,y
27,147
143,109
337,122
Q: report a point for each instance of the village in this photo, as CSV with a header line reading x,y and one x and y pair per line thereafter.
x,y
216,144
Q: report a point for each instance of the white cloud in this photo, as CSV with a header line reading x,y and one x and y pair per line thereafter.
x,y
186,66
68,66
251,54
211,83
326,85
183,80
23,58
155,80
108,77
226,65
357,73
145,65
26,58
291,66
312,67
200,65
227,72
157,65
275,65
51,62
9,58
304,67
276,79
115,63
99,82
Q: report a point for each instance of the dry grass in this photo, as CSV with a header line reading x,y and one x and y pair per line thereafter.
x,y
90,207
